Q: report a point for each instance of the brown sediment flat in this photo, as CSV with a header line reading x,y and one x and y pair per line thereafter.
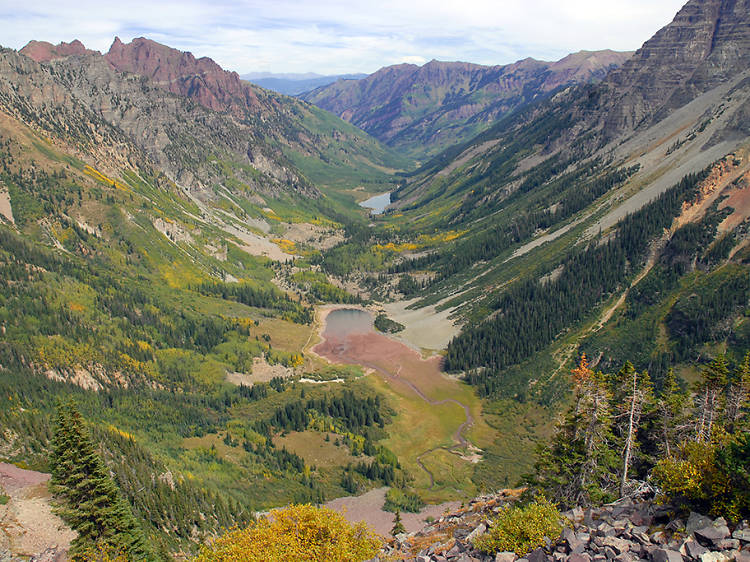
x,y
13,478
401,366
369,508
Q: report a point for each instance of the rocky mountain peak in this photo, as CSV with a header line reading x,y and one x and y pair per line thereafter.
x,y
707,43
42,51
182,74
427,108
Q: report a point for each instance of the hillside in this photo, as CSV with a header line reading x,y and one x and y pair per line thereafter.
x,y
142,235
294,134
177,246
552,213
424,109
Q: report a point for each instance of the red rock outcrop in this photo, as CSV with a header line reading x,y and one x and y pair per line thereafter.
x,y
42,51
181,73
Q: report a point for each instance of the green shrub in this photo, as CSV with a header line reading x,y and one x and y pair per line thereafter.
x,y
522,529
4,499
398,499
709,477
386,325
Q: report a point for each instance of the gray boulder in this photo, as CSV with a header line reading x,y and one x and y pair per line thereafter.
x,y
694,549
713,533
696,521
666,555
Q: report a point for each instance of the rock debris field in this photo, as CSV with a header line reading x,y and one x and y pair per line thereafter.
x,y
632,529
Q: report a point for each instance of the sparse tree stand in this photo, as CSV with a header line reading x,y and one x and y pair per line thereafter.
x,y
711,398
90,501
670,407
738,398
576,468
632,392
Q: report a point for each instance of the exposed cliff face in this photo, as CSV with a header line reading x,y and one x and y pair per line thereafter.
x,y
429,107
706,44
272,133
85,102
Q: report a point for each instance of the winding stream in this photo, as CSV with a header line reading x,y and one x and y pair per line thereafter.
x,y
349,337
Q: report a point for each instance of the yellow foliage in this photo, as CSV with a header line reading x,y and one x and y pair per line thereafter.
x,y
694,474
132,365
441,236
100,553
296,360
120,432
270,214
144,345
287,246
96,174
406,246
297,532
678,477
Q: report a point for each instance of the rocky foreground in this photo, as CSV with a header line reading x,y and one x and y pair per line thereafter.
x,y
628,530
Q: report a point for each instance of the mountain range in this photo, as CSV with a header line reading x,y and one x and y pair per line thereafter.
x,y
295,84
173,237
424,109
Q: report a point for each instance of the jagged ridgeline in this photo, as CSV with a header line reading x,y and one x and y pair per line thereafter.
x,y
424,109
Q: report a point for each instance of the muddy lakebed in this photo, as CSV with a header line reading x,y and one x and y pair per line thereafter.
x,y
349,337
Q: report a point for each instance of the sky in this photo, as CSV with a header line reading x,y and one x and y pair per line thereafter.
x,y
344,36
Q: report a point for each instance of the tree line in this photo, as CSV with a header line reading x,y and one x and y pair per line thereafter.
x,y
693,443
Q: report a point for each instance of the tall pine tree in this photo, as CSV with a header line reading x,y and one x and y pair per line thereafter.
x,y
90,501
578,467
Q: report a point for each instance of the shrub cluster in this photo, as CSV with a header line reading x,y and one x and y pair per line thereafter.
x,y
521,529
711,477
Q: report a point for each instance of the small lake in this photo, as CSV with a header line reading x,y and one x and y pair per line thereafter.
x,y
377,203
344,322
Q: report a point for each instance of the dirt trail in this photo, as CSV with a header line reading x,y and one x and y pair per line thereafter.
x,y
27,524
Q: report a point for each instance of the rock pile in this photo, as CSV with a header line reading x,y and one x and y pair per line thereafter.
x,y
52,554
629,530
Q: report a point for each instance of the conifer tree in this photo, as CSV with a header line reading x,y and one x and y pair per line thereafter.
x,y
738,398
670,406
710,395
578,466
398,526
90,500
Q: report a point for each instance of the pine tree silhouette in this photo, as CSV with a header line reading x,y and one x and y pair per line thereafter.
x,y
91,502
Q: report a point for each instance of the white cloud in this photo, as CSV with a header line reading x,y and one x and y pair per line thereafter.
x,y
332,36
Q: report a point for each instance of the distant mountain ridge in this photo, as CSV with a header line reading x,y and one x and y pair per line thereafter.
x,y
422,109
294,84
